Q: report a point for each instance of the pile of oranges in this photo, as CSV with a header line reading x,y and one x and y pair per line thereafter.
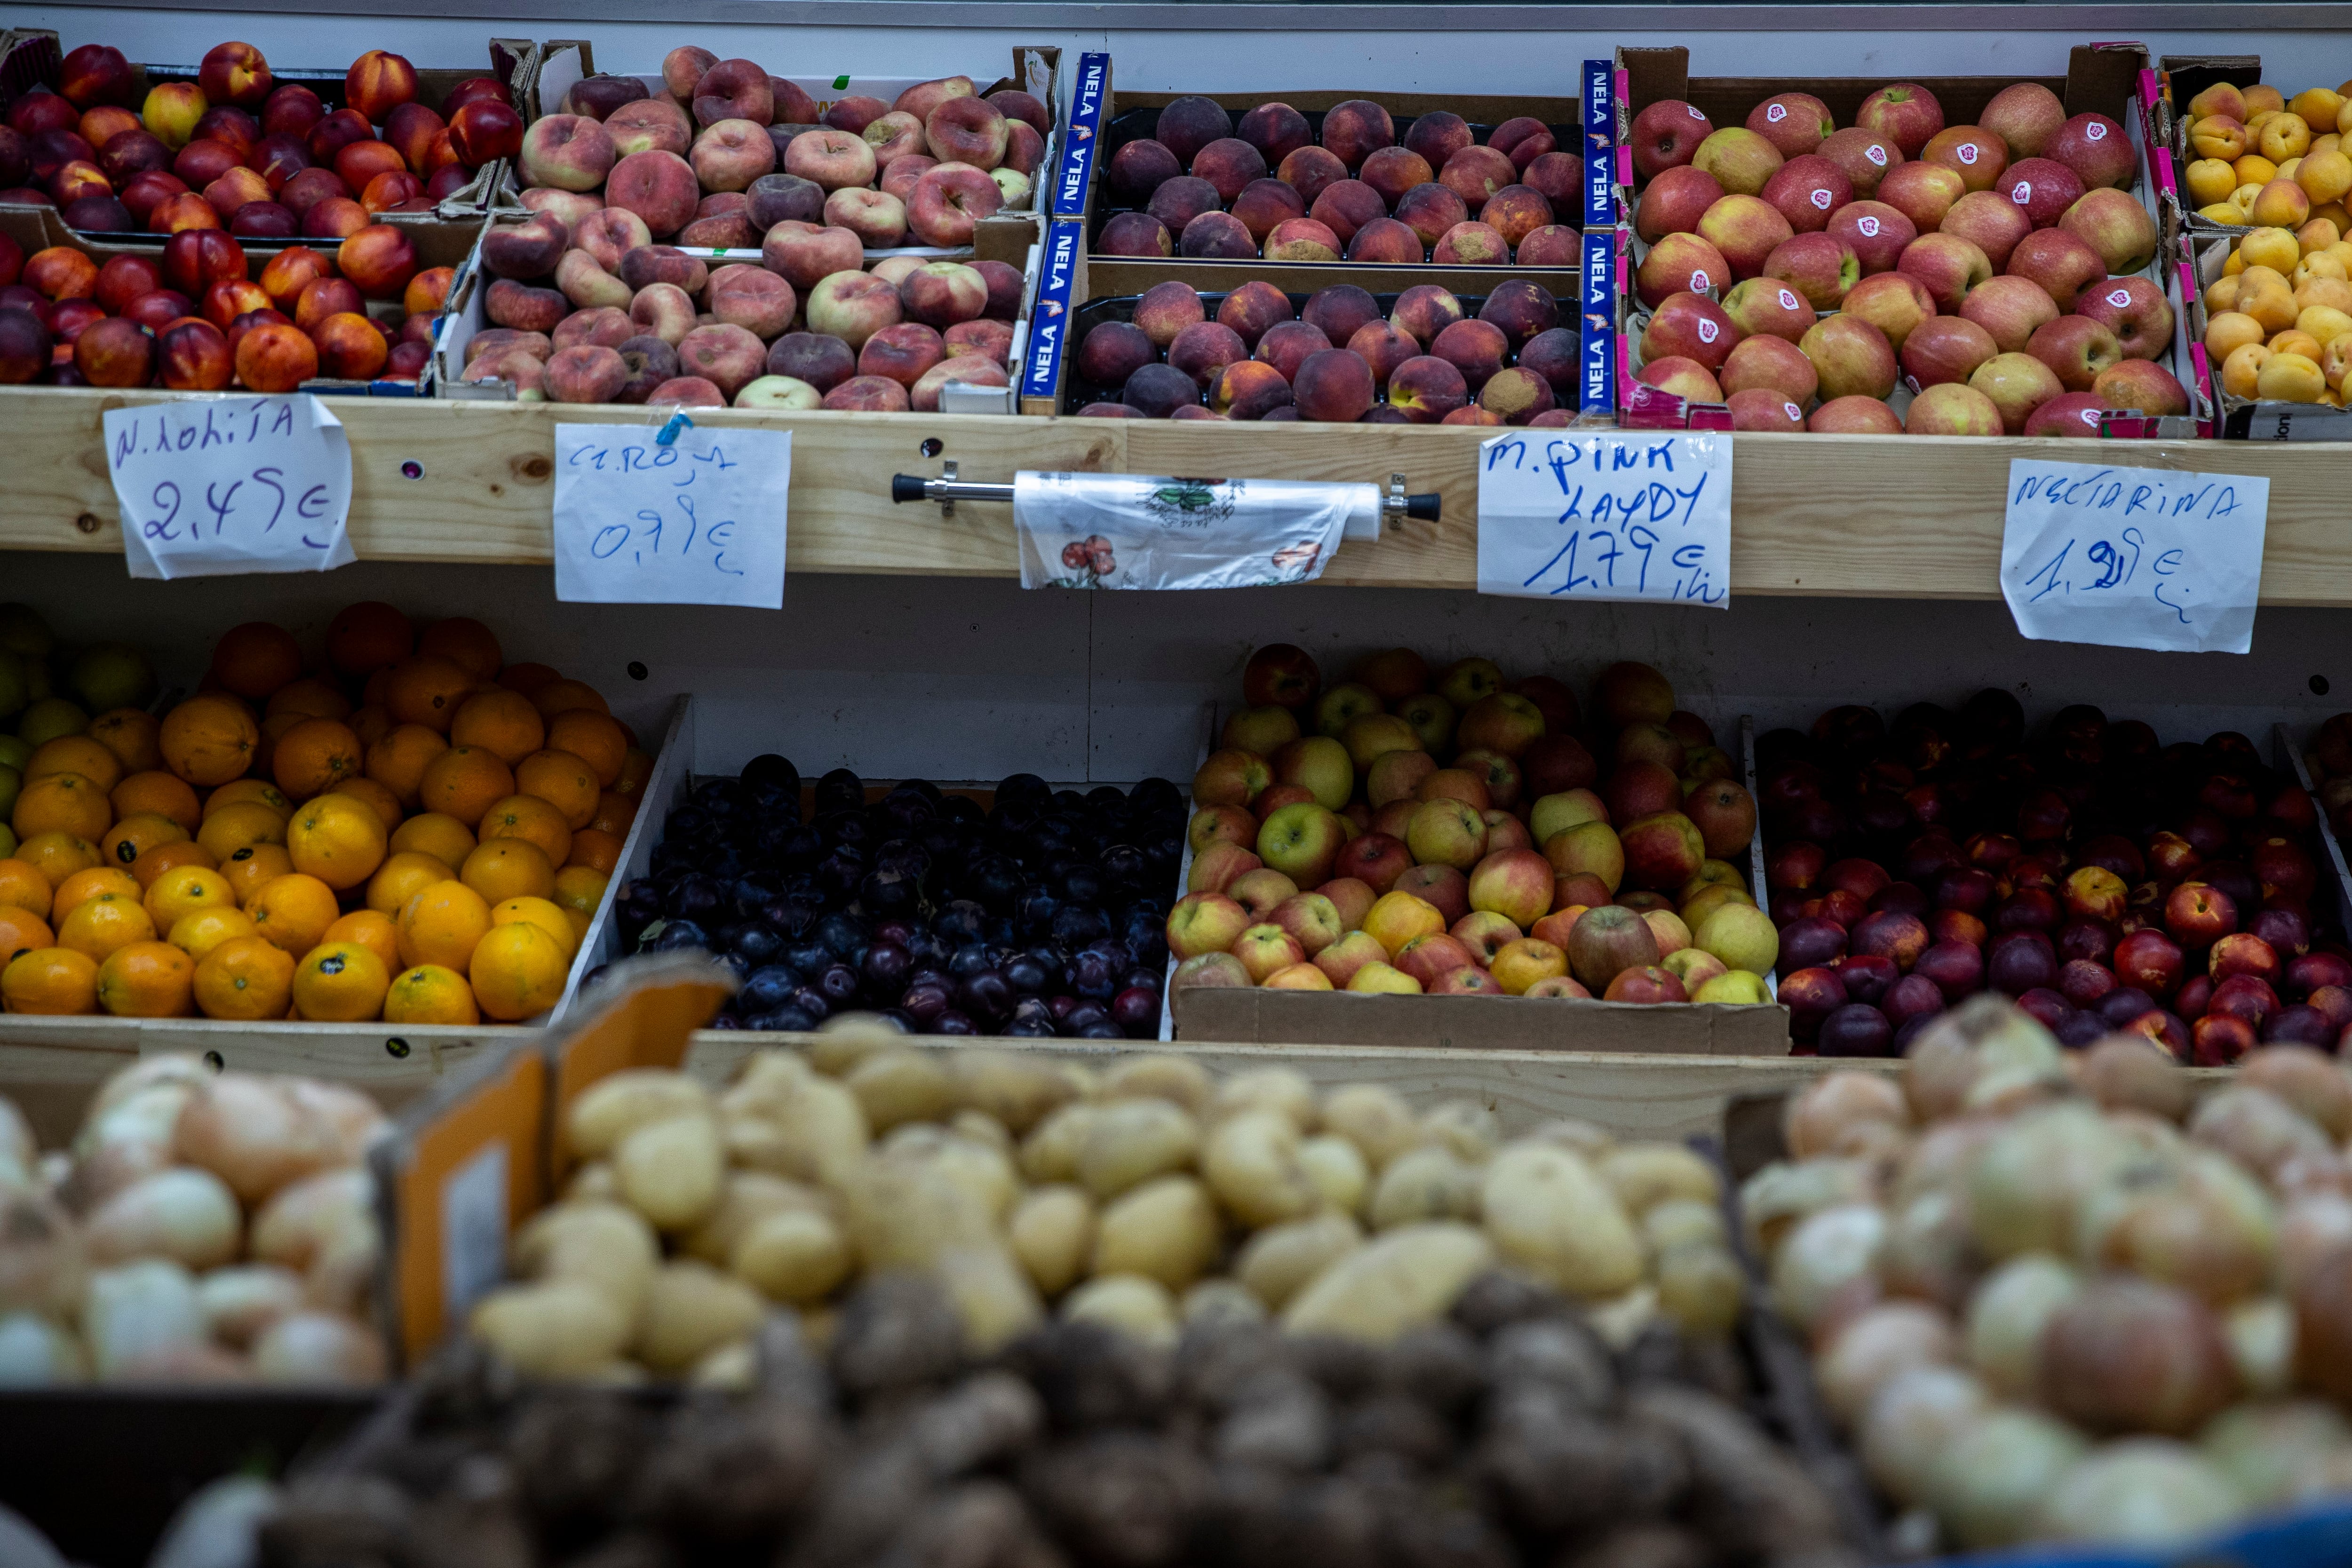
x,y
408,829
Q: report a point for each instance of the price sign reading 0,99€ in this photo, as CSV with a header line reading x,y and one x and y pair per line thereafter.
x,y
217,486
698,520
1606,514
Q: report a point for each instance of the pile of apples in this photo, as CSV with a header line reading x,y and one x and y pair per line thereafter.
x,y
192,320
1336,360
725,152
2278,322
233,150
1411,830
1357,192
1801,272
2260,159
2103,881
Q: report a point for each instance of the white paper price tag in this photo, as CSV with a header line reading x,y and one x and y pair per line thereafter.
x,y
1130,530
218,486
697,521
2134,557
1611,514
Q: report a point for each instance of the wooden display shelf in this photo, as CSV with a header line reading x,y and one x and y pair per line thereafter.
x,y
1865,516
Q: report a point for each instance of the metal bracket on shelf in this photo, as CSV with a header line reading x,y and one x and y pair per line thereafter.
x,y
945,490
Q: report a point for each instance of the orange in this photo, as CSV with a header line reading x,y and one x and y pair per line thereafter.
x,y
199,932
398,760
364,637
293,911
316,755
502,868
580,889
162,793
564,782
272,732
596,738
256,658
442,924
425,691
373,930
245,978
255,865
62,802
613,814
186,890
528,678
562,696
133,837
597,851
518,971
546,915
54,981
372,694
337,839
148,980
84,885
23,887
376,798
58,856
444,837
532,820
635,769
469,644
233,829
371,724
501,723
103,922
21,930
210,739
464,782
131,734
248,792
311,697
401,877
170,857
429,993
74,754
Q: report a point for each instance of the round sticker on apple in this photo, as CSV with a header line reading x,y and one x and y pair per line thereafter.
x,y
1967,150
2022,192
1876,154
1788,301
1868,224
1821,200
2095,131
2119,299
1776,113
1792,411
1706,329
1695,114
1700,283
2090,416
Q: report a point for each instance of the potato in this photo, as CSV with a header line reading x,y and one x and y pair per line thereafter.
x,y
1643,1175
1084,1081
606,1246
902,1085
1281,1260
1050,1152
731,1368
991,1293
1425,1184
1375,1119
555,1328
1678,1221
1052,1236
986,1129
977,1167
905,1212
671,1171
835,1052
616,1106
1700,1287
1252,1163
1166,1229
691,1310
1466,1127
1180,1081
1575,1135
1017,1090
1338,1171
1129,1141
592,1180
1620,1320
304,1218
1548,1213
746,1197
1221,1301
1282,1089
794,1255
1401,1280
1127,1302
814,1128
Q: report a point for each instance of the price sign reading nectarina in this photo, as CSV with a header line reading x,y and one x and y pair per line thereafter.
x,y
218,486
698,519
1606,514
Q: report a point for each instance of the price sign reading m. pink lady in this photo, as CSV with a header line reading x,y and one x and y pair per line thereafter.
x,y
1606,514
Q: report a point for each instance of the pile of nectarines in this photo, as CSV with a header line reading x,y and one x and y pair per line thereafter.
x,y
1993,270
2278,322
192,320
1412,830
1336,359
725,151
230,150
1198,187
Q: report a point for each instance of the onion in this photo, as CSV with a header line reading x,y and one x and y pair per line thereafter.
x,y
2308,1079
2149,1136
2313,1227
1891,1337
40,1256
2007,1317
182,1214
20,1155
343,1272
1833,1255
2126,1072
2255,1128
181,1070
2025,1186
2323,1325
110,1168
1928,1255
239,1302
2261,1334
1989,1483
2317,1173
2261,1446
2209,1228
1911,1421
1680,1220
2129,1356
36,1353
1702,1288
1983,1055
319,1347
2144,1492
146,1118
252,1134
1942,1157
1819,1114
357,1120
305,1218
136,1316
1776,1199
1937,1070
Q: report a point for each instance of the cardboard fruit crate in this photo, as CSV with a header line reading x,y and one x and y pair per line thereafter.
x,y
2205,258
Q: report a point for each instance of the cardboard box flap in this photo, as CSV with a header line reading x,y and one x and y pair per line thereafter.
x,y
1258,1016
640,1017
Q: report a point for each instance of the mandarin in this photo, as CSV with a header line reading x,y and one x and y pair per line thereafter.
x,y
338,839
430,993
161,793
467,644
147,980
293,911
210,739
442,924
316,756
256,658
55,982
245,979
518,971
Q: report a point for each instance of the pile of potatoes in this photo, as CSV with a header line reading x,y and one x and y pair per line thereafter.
x,y
1143,1195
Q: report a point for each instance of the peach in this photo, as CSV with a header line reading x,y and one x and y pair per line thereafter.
x,y
1252,308
379,260
350,347
1394,171
1286,344
1263,204
111,351
96,73
609,233
727,356
602,326
733,90
1218,235
686,392
379,82
1471,244
664,264
1113,351
895,136
878,221
1250,389
942,293
855,112
1302,239
754,300
588,374
1024,149
870,395
1333,386
531,249
663,310
822,360
1308,170
1179,201
1515,211
833,158
684,67
949,202
1385,241
1354,129
1188,124
1476,173
313,302
1141,167
924,396
1228,164
1203,350
648,125
731,153
524,308
805,254
273,358
1167,308
853,307
193,356
902,351
568,152
965,130
1134,234
1515,395
779,391
1017,105
991,340
650,362
925,96
487,129
660,187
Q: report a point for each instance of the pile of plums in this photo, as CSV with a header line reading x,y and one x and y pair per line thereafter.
x,y
1041,915
2104,880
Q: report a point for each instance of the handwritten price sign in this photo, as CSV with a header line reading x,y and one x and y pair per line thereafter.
x,y
230,485
1613,514
699,520
2134,557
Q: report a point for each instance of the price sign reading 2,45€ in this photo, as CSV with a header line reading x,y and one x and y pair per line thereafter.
x,y
2147,558
1606,514
221,485
697,520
